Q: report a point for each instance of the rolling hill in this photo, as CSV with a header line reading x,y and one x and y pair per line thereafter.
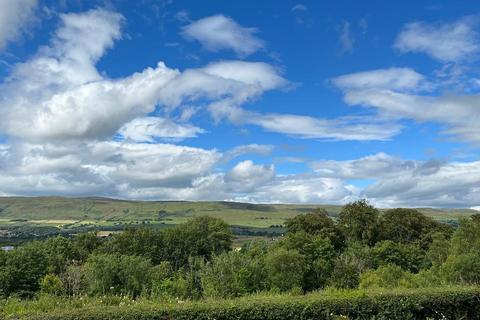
x,y
62,211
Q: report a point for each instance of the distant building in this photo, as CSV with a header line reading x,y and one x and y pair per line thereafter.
x,y
7,248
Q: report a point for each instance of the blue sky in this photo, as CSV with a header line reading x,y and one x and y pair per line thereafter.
x,y
259,101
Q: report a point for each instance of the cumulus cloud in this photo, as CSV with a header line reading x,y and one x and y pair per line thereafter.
x,y
247,176
448,42
14,17
219,32
60,95
398,182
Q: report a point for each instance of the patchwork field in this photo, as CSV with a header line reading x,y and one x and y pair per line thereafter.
x,y
47,215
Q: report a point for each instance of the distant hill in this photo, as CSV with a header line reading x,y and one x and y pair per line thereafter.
x,y
62,211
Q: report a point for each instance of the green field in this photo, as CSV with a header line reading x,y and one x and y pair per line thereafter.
x,y
77,213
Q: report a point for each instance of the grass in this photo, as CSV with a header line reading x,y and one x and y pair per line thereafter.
x,y
73,212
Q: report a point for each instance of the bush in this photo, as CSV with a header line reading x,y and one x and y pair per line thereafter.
x,y
389,276
51,284
117,274
440,303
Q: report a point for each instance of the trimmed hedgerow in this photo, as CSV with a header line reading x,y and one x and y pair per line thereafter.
x,y
439,303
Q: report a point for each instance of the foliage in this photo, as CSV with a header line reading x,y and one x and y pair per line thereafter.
x,y
463,262
359,221
233,274
388,276
318,254
21,270
51,284
317,223
285,269
117,274
439,303
408,226
408,256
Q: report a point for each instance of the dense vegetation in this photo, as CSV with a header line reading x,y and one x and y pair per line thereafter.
x,y
362,249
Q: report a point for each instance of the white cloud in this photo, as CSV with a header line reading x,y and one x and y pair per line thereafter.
x,y
456,41
60,95
398,182
392,78
358,128
219,32
406,94
15,15
147,129
247,176
376,166
302,189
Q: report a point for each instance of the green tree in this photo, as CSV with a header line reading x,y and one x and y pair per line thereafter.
x,y
115,274
201,236
463,262
409,226
233,274
285,269
359,221
22,269
388,276
350,265
85,244
143,242
319,256
407,256
317,223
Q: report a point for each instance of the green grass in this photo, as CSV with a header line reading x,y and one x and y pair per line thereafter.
x,y
72,212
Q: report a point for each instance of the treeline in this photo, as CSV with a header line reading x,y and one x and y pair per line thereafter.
x,y
362,248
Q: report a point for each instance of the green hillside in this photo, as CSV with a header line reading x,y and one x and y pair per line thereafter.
x,y
61,211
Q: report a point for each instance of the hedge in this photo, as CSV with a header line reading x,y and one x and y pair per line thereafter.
x,y
446,303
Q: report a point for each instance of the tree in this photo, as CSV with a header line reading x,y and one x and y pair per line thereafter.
x,y
408,226
407,256
285,269
85,244
117,274
359,221
350,265
143,242
233,274
388,276
201,236
317,223
22,269
463,262
319,257
60,252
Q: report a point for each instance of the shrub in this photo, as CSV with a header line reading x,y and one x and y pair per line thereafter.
x,y
51,284
440,303
389,276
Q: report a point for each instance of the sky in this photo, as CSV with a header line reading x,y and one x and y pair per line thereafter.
x,y
321,102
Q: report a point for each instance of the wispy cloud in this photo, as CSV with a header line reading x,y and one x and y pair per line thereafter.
x,y
448,42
